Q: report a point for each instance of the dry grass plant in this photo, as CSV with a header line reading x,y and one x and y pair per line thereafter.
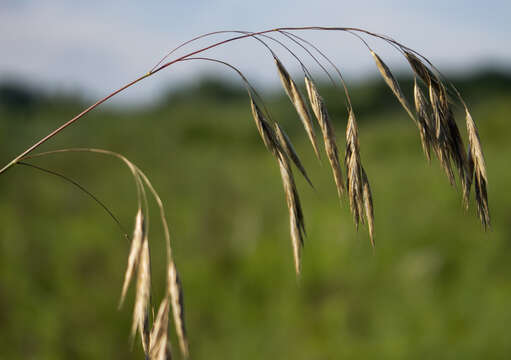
x,y
433,115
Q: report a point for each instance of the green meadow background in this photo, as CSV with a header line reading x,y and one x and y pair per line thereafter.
x,y
437,286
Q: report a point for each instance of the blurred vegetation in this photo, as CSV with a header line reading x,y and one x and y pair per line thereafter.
x,y
437,286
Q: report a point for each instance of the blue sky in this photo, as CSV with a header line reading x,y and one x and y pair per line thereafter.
x,y
96,46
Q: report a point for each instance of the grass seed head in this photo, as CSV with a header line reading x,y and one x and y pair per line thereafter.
x,y
393,84
176,296
288,147
296,219
297,100
134,255
424,120
321,113
158,339
477,170
264,128
142,298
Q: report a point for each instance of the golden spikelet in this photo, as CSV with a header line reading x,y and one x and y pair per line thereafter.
x,y
477,169
176,297
321,114
393,84
421,70
442,148
158,339
448,135
449,144
296,220
134,255
297,100
264,128
368,205
141,309
444,135
424,120
287,146
353,169
359,190
278,143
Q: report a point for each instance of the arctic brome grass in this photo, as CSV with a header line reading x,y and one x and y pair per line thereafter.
x,y
433,97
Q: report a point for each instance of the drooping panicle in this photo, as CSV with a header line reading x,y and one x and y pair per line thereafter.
x,y
134,255
297,100
321,113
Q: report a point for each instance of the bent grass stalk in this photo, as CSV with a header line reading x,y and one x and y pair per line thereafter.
x,y
434,118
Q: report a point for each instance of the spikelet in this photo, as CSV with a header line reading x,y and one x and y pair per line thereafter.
x,y
444,132
424,120
393,84
353,169
320,111
134,255
421,70
449,144
158,339
287,146
141,309
176,296
297,100
441,132
296,219
477,169
264,128
368,205
359,190
278,143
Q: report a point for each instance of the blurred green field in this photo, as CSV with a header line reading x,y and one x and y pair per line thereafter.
x,y
436,287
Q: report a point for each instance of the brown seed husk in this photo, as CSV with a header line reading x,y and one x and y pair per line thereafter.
x,y
393,84
422,71
158,339
264,128
353,169
287,146
424,120
143,294
368,205
176,296
297,100
444,133
359,190
321,113
477,167
296,220
134,255
442,148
